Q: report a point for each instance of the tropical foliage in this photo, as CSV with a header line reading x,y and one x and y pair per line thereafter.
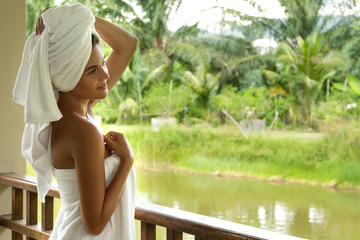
x,y
195,75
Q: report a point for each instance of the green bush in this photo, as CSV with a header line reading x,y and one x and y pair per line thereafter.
x,y
156,100
252,103
336,107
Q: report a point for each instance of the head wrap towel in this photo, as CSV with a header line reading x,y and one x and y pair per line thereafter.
x,y
53,61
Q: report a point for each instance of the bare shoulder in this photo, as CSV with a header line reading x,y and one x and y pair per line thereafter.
x,y
85,138
74,139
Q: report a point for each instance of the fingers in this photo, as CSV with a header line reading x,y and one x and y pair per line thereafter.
x,y
109,141
109,144
39,26
118,143
113,134
113,138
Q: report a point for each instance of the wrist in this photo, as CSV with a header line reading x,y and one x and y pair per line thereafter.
x,y
127,160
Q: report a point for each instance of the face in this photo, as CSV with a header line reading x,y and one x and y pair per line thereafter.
x,y
93,82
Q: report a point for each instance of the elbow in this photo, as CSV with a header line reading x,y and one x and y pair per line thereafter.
x,y
94,231
135,42
135,39
94,228
128,47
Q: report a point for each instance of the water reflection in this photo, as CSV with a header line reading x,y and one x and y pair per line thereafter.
x,y
316,215
303,211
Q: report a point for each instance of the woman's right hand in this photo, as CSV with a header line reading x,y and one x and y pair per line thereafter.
x,y
39,27
118,143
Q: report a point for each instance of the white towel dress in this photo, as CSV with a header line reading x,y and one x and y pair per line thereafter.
x,y
69,225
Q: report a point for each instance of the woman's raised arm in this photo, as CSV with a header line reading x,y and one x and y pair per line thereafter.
x,y
122,43
123,46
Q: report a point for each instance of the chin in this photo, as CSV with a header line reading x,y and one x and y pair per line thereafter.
x,y
105,94
101,97
102,93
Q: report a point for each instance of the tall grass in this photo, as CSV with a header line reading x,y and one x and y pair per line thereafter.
x,y
332,157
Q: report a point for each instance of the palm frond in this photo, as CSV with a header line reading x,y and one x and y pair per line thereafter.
x,y
229,45
153,76
273,76
189,53
155,57
354,83
184,32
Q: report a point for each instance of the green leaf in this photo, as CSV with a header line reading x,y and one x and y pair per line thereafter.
x,y
273,76
153,75
354,83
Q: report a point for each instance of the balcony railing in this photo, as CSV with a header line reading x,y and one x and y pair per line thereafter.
x,y
175,221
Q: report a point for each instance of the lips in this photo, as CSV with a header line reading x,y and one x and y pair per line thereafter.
x,y
103,86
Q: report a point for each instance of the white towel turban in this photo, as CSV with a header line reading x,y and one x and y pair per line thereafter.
x,y
52,62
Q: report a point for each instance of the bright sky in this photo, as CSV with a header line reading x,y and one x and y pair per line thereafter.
x,y
192,11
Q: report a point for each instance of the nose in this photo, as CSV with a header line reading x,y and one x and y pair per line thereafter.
x,y
104,74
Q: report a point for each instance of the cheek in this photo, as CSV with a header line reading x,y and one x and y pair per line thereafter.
x,y
83,86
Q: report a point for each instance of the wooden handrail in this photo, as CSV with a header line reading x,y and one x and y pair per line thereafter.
x,y
175,221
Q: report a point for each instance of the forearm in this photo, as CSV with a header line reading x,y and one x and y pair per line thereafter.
x,y
123,44
117,38
114,191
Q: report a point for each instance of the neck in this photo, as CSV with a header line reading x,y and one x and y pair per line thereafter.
x,y
74,105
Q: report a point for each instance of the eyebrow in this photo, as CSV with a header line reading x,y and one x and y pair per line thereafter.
x,y
94,66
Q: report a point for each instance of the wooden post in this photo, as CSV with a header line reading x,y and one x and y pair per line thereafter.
x,y
17,204
173,235
17,210
47,213
16,236
31,210
148,231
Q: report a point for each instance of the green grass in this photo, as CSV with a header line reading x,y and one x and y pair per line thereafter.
x,y
329,158
332,157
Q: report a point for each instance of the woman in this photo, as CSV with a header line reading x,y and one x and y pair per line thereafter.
x,y
96,187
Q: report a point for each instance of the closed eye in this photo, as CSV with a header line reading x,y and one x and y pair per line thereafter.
x,y
94,67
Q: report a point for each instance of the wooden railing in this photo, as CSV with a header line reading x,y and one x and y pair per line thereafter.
x,y
175,221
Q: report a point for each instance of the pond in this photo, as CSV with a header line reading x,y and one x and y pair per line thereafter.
x,y
298,210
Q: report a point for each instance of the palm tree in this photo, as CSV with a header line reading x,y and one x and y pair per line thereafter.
x,y
230,56
351,47
204,88
302,18
305,68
